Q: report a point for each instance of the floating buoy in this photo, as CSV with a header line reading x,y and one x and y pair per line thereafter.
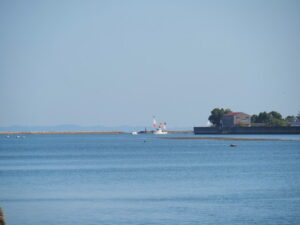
x,y
233,145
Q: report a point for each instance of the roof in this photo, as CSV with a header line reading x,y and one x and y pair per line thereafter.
x,y
234,114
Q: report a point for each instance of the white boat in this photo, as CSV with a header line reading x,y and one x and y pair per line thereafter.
x,y
134,133
160,129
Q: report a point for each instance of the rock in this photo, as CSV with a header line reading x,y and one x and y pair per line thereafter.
x,y
2,218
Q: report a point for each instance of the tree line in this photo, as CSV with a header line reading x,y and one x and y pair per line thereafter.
x,y
272,118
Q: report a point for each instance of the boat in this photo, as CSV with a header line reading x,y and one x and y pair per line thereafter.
x,y
160,131
161,128
134,133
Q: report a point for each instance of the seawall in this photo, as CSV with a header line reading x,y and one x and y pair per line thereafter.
x,y
247,130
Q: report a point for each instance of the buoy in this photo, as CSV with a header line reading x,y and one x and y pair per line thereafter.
x,y
233,145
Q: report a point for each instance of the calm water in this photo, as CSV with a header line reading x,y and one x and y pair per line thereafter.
x,y
123,179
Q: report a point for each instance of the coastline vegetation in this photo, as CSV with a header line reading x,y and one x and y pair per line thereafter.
x,y
216,116
270,119
274,119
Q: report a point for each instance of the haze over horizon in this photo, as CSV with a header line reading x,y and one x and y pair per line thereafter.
x,y
114,63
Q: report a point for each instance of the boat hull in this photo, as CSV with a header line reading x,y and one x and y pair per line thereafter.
x,y
160,132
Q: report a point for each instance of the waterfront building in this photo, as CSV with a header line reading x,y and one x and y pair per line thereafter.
x,y
236,119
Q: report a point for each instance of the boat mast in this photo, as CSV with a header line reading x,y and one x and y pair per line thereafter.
x,y
154,122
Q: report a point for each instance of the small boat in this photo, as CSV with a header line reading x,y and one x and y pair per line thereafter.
x,y
134,133
233,145
160,129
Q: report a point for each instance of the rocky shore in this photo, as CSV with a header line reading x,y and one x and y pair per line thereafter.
x,y
2,218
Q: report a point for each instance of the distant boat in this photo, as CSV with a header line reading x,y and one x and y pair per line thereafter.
x,y
134,133
159,131
161,127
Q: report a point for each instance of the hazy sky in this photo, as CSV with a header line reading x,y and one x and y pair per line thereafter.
x,y
121,62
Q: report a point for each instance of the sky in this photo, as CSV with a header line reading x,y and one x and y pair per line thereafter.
x,y
117,63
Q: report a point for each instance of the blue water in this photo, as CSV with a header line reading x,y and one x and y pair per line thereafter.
x,y
122,179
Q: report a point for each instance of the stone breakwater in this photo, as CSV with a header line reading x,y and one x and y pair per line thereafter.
x,y
247,130
180,131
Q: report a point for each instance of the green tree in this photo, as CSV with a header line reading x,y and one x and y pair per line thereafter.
x,y
276,115
254,118
216,115
263,117
277,123
272,119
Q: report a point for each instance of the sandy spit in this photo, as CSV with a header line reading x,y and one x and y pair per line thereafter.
x,y
227,138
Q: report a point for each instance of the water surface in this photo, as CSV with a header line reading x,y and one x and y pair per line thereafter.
x,y
123,179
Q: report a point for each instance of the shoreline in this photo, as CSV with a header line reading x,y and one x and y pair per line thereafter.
x,y
227,139
60,132
78,132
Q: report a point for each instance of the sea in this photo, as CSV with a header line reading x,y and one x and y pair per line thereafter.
x,y
123,179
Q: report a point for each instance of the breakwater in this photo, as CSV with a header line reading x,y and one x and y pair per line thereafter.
x,y
247,130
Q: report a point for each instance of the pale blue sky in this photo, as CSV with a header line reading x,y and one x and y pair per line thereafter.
x,y
120,62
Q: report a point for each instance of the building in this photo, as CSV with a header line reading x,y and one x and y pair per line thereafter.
x,y
236,119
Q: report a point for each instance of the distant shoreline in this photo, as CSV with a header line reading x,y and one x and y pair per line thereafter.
x,y
227,139
77,132
60,132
